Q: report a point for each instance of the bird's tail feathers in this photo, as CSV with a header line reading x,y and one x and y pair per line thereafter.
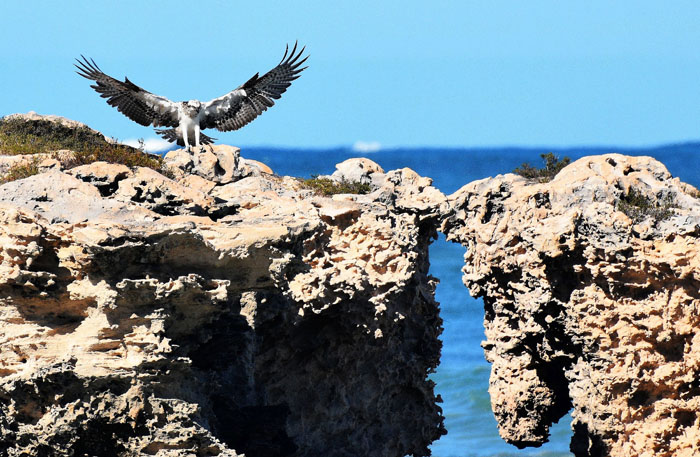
x,y
172,136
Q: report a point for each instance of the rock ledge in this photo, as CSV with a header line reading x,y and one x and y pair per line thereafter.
x,y
223,312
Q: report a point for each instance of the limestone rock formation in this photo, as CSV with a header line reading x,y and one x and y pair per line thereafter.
x,y
223,312
589,308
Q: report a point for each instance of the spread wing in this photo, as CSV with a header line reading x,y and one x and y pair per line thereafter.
x,y
240,106
137,104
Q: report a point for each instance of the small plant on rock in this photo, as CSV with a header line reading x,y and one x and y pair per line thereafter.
x,y
638,206
552,166
21,170
327,186
116,153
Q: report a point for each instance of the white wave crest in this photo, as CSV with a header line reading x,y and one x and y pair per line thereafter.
x,y
366,147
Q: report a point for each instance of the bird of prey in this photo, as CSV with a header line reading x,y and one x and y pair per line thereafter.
x,y
188,118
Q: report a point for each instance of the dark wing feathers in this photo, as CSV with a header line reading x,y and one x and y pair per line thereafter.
x,y
134,102
240,106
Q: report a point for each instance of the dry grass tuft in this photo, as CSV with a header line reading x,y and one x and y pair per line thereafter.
x,y
19,136
638,206
327,187
21,170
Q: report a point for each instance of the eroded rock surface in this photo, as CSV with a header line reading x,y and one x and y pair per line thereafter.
x,y
217,163
224,310
587,309
227,311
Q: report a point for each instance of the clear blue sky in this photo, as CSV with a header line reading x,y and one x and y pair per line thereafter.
x,y
411,73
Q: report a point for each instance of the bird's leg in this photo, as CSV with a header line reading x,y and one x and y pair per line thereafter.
x,y
196,138
185,139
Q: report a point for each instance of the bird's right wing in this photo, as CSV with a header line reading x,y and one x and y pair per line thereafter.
x,y
137,104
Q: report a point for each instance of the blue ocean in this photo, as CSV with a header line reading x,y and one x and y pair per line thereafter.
x,y
462,377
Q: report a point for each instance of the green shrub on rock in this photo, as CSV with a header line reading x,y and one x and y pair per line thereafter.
x,y
552,166
638,206
327,186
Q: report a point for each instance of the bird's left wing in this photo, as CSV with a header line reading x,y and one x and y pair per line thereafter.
x,y
240,106
137,104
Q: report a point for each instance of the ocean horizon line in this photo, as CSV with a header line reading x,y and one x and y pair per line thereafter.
x,y
378,148
675,144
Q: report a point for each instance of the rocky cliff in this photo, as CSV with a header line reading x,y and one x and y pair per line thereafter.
x,y
591,292
222,312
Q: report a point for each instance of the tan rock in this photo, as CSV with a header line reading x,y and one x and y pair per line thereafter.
x,y
259,165
162,195
232,311
197,183
406,189
359,169
49,164
587,308
146,316
9,161
335,209
104,176
218,163
59,197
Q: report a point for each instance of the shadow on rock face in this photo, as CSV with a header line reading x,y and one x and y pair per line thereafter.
x,y
587,444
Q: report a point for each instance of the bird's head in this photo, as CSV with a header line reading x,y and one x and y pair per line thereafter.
x,y
193,106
